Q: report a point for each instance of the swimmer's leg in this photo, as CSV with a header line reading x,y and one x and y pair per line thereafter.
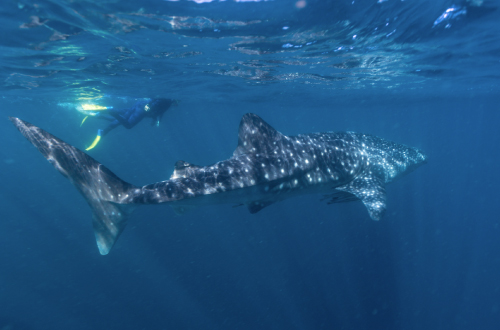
x,y
104,116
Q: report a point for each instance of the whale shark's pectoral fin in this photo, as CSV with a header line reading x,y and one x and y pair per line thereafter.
x,y
255,207
371,191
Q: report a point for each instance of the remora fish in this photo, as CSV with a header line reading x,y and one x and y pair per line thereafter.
x,y
266,167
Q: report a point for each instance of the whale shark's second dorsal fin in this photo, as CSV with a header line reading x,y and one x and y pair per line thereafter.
x,y
256,136
182,169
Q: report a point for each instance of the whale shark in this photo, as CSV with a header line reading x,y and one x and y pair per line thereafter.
x,y
266,167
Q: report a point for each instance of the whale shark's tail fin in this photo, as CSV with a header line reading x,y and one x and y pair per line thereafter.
x,y
104,191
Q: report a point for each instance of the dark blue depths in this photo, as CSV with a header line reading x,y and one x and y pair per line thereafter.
x,y
431,262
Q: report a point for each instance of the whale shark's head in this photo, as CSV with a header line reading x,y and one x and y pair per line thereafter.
x,y
399,160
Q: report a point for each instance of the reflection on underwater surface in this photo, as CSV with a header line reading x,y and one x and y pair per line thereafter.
x,y
415,72
85,49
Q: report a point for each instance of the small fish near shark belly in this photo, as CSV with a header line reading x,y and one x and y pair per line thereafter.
x,y
266,167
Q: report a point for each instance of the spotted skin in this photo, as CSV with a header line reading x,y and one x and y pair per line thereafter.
x,y
266,167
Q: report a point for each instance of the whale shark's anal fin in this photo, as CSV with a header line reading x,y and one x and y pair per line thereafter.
x,y
101,188
255,207
371,191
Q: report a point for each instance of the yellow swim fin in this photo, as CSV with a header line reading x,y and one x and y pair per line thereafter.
x,y
94,107
84,119
96,141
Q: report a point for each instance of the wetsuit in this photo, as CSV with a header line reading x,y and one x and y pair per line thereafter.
x,y
129,117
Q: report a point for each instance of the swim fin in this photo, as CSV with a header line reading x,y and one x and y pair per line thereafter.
x,y
94,107
84,119
96,141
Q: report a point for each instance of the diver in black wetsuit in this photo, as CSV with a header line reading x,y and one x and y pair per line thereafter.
x,y
129,117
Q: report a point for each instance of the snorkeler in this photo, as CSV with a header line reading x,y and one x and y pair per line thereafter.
x,y
129,117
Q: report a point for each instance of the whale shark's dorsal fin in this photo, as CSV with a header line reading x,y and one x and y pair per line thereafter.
x,y
182,169
256,136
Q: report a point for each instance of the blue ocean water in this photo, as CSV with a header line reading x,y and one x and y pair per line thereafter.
x,y
423,73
